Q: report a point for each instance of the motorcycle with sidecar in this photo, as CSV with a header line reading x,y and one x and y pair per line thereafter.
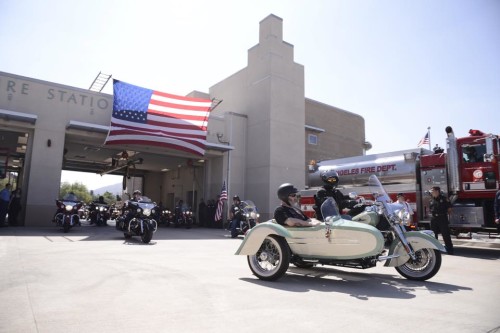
x,y
416,255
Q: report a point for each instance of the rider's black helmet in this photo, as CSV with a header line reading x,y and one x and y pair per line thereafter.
x,y
330,177
285,190
236,198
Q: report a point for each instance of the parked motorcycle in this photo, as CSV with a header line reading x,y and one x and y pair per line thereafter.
x,y
99,214
271,247
250,217
139,220
67,215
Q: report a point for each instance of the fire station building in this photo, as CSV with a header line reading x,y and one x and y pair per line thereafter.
x,y
263,134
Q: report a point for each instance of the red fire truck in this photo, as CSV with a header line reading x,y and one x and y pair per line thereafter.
x,y
468,173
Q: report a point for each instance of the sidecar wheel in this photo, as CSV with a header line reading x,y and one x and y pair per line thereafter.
x,y
272,259
426,265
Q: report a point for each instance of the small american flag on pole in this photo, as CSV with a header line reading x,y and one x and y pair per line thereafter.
x,y
220,203
146,117
424,141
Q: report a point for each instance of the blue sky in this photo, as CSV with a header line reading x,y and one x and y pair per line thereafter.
x,y
402,65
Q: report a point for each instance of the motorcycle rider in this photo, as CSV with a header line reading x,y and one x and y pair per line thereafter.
x,y
136,196
235,216
330,179
289,213
93,208
70,197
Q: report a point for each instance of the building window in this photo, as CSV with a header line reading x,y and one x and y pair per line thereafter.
x,y
312,139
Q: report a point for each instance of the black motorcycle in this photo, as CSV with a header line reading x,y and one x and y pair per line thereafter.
x,y
99,214
139,221
183,217
249,218
166,217
67,214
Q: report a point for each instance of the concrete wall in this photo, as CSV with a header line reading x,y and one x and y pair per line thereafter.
x,y
344,133
54,105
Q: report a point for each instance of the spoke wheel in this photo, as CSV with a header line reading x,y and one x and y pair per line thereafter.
x,y
426,265
272,259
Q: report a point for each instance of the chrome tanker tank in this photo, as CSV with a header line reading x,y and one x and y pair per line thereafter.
x,y
394,167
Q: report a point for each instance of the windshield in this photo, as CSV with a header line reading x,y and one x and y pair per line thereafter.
x,y
329,209
248,205
379,194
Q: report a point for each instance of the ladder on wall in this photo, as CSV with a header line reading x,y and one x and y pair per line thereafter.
x,y
100,82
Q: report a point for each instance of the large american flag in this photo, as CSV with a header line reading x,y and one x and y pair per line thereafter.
x,y
146,117
220,203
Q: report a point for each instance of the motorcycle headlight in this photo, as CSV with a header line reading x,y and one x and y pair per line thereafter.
x,y
147,212
153,211
102,209
69,208
138,210
403,216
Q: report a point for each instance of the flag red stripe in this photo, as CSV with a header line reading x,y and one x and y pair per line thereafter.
x,y
182,98
179,106
158,132
188,139
177,116
153,143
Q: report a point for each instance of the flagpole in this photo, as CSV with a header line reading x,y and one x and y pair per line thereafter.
x,y
429,135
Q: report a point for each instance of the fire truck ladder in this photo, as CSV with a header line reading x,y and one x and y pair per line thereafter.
x,y
99,82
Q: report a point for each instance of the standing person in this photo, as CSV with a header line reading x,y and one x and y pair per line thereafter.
x,y
401,199
235,216
440,208
211,208
289,213
202,213
4,203
14,206
497,208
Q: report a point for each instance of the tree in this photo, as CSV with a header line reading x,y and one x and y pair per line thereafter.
x,y
78,189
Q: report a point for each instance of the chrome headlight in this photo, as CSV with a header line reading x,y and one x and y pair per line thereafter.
x,y
403,216
146,212
68,208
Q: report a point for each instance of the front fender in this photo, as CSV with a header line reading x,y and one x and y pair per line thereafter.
x,y
418,240
254,238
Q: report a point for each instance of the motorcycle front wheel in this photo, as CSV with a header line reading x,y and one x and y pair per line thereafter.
x,y
147,235
271,260
426,265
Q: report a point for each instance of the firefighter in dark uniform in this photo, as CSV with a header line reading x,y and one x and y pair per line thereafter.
x,y
330,179
440,208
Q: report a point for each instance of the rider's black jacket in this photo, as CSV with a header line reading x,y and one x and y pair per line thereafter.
x,y
237,212
325,192
282,213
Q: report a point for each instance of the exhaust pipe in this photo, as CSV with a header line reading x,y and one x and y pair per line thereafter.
x,y
452,162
